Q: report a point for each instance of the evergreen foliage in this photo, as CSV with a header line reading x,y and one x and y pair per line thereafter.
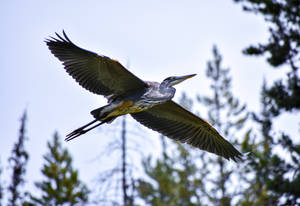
x,y
182,178
274,167
18,161
282,48
174,179
273,177
228,116
61,184
187,176
116,186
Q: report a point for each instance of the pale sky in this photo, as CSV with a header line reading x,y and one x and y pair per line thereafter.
x,y
157,38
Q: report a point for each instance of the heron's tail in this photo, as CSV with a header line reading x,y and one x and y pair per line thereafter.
x,y
99,113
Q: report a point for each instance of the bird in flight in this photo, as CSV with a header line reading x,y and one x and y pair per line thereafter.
x,y
149,103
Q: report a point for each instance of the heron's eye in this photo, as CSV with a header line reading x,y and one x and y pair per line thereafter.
x,y
169,79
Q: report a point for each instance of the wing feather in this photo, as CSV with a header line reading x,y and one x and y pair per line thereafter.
x,y
96,73
177,123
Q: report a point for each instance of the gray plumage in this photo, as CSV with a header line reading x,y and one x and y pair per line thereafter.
x,y
150,103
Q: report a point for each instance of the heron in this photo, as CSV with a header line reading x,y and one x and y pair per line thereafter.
x,y
149,103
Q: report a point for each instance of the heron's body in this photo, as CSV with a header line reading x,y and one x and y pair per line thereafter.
x,y
135,101
150,103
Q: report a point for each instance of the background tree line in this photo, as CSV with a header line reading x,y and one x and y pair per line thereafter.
x,y
269,175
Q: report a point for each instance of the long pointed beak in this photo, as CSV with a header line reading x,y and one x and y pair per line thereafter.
x,y
180,79
187,76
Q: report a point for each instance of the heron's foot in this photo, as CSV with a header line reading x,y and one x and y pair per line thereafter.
x,y
75,134
81,130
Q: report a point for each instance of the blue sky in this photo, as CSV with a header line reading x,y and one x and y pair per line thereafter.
x,y
156,38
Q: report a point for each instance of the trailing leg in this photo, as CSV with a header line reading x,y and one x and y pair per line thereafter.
x,y
82,130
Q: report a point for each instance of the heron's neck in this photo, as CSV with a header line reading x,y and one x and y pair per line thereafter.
x,y
163,85
167,90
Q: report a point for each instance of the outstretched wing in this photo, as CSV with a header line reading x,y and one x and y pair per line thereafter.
x,y
96,73
177,123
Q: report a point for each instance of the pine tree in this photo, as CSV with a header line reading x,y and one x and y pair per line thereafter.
x,y
276,174
182,178
228,116
257,192
117,185
18,161
61,184
175,178
283,48
268,171
126,200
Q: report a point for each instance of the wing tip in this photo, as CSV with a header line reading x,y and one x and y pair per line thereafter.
x,y
58,38
240,157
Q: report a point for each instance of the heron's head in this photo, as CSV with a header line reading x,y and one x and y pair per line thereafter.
x,y
171,81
